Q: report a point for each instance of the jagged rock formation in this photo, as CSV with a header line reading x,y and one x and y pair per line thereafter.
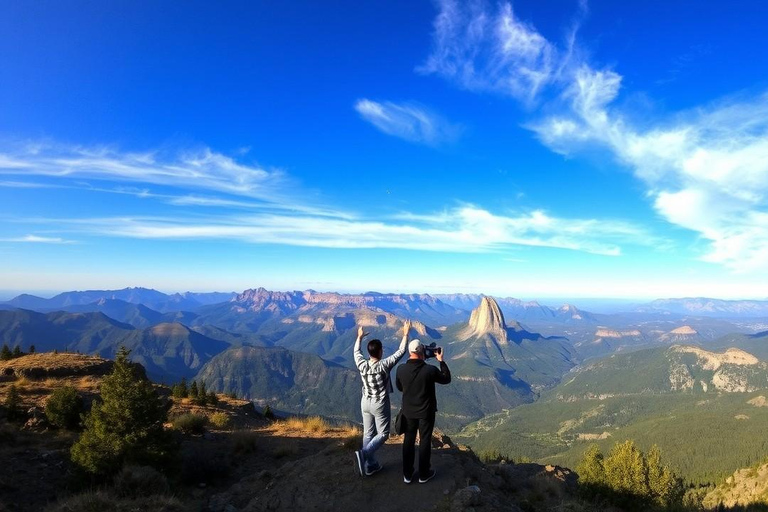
x,y
422,307
487,318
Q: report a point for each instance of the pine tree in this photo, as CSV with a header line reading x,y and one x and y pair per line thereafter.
x,y
212,398
183,388
5,353
202,395
180,389
31,349
126,426
590,469
665,488
625,470
16,352
13,403
193,391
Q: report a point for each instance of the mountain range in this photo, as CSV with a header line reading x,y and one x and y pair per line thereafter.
x,y
704,407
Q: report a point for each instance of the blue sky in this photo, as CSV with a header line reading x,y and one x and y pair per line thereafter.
x,y
532,149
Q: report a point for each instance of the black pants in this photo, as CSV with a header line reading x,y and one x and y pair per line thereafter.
x,y
425,427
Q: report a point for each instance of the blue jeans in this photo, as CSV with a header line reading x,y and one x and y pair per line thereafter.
x,y
377,416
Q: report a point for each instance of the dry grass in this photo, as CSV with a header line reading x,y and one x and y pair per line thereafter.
x,y
219,419
314,424
244,441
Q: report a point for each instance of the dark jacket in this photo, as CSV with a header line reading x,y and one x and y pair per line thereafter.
x,y
416,379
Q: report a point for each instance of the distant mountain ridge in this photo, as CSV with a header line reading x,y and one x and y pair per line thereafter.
x,y
704,306
148,297
423,307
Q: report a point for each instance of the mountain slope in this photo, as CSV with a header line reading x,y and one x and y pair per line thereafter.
x,y
285,380
168,350
704,410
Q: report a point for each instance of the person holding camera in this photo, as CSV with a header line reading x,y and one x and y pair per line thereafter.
x,y
377,412
416,379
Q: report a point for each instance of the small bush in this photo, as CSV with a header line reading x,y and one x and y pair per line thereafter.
x,y
190,423
138,481
13,404
64,407
244,442
268,414
219,419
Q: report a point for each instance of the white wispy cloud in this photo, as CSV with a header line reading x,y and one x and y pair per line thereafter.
x,y
705,170
488,48
466,228
281,213
188,169
37,240
409,121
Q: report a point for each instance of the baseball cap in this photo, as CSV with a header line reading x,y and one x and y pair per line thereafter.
x,y
415,346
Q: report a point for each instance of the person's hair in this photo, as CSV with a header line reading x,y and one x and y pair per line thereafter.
x,y
374,348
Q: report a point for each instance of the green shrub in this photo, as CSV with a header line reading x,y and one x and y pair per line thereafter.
x,y
16,352
64,407
5,353
212,398
138,481
180,390
630,478
13,404
126,426
190,423
268,414
219,419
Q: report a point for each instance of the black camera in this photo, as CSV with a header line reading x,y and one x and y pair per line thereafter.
x,y
432,350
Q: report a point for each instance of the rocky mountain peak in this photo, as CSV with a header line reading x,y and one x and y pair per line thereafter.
x,y
487,318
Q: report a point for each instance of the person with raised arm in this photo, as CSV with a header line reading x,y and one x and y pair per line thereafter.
x,y
375,406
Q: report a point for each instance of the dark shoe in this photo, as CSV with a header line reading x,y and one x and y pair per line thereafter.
x,y
359,462
373,469
406,479
429,477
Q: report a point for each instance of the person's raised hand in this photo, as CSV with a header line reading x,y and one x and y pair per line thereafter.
x,y
439,354
361,333
406,327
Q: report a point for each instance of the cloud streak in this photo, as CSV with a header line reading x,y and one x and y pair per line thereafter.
x,y
408,121
705,170
464,229
34,239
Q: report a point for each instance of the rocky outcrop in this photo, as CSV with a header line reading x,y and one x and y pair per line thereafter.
x,y
714,360
487,318
745,487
